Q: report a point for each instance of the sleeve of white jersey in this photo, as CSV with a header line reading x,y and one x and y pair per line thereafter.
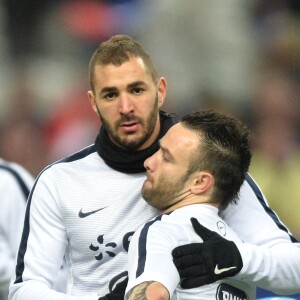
x,y
150,259
12,211
43,241
271,256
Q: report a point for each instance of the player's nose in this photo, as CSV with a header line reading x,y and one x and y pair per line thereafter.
x,y
149,163
125,104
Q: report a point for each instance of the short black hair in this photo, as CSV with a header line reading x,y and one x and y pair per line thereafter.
x,y
225,151
118,50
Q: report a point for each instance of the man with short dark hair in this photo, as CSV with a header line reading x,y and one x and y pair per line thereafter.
x,y
200,166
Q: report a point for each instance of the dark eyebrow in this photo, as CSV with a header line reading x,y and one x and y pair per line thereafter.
x,y
136,84
112,89
108,89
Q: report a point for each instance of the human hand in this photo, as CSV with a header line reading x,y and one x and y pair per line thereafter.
x,y
203,263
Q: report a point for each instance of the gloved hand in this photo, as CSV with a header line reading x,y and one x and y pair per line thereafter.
x,y
118,292
203,263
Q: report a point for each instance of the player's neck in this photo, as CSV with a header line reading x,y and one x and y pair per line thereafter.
x,y
190,200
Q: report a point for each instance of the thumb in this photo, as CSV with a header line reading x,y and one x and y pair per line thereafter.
x,y
203,232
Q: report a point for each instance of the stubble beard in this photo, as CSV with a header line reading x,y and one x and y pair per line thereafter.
x,y
164,194
132,144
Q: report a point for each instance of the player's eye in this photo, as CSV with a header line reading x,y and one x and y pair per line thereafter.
x,y
137,91
110,96
165,157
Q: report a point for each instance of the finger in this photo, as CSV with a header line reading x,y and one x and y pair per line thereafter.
x,y
187,261
195,282
202,231
192,271
185,250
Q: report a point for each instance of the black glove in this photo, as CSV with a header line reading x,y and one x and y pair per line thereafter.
x,y
118,292
204,263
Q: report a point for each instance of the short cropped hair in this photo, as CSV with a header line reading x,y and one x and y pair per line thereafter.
x,y
224,151
118,50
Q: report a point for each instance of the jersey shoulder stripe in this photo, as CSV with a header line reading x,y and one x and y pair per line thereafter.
x,y
142,245
267,209
78,155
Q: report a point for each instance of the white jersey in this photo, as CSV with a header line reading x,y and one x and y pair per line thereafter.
x,y
150,256
82,207
15,184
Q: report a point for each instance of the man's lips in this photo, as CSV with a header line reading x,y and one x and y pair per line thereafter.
x,y
148,183
148,177
129,126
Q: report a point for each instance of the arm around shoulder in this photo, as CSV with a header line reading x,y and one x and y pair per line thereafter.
x,y
275,268
271,256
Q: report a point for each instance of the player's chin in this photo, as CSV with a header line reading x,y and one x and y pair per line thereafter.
x,y
133,141
147,187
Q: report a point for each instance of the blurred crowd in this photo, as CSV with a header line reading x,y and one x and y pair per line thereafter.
x,y
240,57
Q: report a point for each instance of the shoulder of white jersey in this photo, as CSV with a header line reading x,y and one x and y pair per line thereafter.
x,y
76,155
263,202
79,155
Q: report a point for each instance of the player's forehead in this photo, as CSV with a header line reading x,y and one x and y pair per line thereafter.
x,y
135,65
180,141
121,76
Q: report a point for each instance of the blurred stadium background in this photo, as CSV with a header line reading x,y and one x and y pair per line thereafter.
x,y
239,57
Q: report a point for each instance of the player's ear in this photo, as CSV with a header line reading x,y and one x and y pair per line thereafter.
x,y
162,91
92,100
202,182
